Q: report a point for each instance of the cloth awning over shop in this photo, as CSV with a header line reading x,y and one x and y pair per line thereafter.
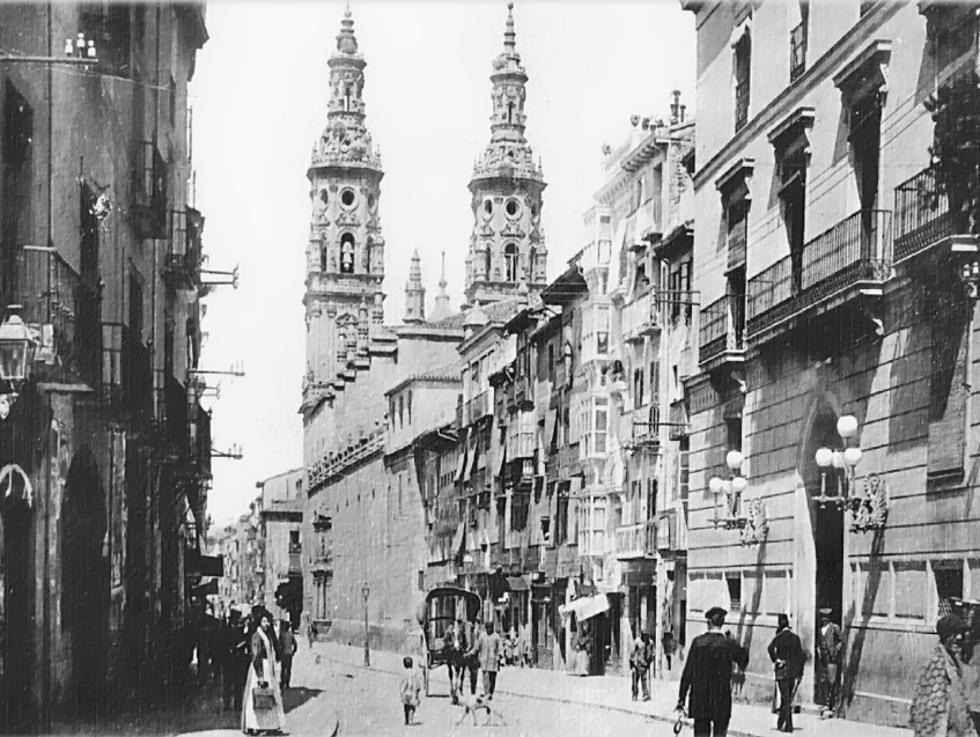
x,y
586,607
517,583
461,465
212,565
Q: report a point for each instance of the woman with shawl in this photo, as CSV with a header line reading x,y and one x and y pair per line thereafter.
x,y
262,676
939,706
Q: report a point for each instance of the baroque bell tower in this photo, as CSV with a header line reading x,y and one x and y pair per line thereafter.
x,y
507,249
345,255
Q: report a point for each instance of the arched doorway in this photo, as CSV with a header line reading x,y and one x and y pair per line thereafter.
x,y
85,577
827,521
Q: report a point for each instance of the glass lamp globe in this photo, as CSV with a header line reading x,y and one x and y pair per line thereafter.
x,y
734,460
739,483
837,460
824,457
847,426
852,456
726,486
714,485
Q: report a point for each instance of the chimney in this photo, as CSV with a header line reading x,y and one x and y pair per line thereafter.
x,y
674,107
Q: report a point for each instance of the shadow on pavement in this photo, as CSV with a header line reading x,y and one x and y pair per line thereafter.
x,y
297,696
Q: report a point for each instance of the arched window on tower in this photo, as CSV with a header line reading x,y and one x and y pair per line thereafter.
x,y
532,264
347,93
367,255
510,262
347,253
510,112
486,264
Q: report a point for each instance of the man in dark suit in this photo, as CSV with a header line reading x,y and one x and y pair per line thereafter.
x,y
828,659
786,653
708,677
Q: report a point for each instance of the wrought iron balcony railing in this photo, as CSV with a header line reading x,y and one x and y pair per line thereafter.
x,y
922,216
64,307
637,540
722,327
856,251
639,318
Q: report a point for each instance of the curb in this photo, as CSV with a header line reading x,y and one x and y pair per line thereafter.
x,y
555,699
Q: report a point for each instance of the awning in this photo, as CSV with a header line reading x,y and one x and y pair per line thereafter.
x,y
586,607
549,430
212,565
461,465
458,539
503,461
517,583
471,462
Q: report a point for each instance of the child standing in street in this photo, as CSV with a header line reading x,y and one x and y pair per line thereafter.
x,y
410,687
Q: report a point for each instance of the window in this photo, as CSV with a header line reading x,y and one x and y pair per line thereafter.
x,y
865,140
347,253
532,259
173,102
409,406
486,263
734,581
743,63
652,491
401,412
655,381
792,194
638,392
602,330
684,468
604,251
510,262
949,584
797,42
294,537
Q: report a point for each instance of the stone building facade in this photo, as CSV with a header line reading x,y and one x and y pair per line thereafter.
x,y
280,521
844,287
106,448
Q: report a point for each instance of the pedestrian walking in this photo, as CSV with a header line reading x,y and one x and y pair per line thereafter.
x,y
939,703
639,666
262,709
828,660
489,650
287,649
707,677
786,654
311,633
458,645
409,689
669,646
472,660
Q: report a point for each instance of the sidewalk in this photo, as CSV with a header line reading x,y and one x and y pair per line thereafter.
x,y
613,692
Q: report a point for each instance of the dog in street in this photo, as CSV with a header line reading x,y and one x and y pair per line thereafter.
x,y
473,704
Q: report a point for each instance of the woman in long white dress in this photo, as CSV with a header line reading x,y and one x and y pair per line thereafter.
x,y
262,673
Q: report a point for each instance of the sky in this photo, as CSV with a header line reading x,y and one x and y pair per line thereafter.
x,y
259,99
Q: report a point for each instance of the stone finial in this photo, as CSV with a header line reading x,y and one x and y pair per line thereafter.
x,y
441,309
510,35
346,41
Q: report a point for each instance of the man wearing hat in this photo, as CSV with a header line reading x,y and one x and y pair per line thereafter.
x,y
828,658
708,677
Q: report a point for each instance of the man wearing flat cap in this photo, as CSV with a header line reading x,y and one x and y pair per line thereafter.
x,y
828,659
708,677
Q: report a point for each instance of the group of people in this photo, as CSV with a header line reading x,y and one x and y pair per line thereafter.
x,y
473,650
256,663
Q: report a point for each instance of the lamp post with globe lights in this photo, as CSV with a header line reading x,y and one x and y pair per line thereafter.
x,y
732,488
366,592
843,461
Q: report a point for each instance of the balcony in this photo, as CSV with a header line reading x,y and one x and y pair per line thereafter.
x,y
849,261
722,333
741,105
639,319
182,262
477,407
637,540
923,220
64,307
678,419
797,52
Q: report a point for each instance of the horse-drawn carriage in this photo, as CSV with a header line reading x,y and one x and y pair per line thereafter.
x,y
443,606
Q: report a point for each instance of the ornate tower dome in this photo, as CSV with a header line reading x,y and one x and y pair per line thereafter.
x,y
507,243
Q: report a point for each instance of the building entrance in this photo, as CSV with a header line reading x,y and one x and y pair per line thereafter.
x,y
827,522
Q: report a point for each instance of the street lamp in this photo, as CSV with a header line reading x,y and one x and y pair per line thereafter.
x,y
841,459
366,592
732,488
17,347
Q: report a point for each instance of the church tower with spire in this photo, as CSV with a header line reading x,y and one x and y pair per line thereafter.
x,y
507,254
415,292
345,254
